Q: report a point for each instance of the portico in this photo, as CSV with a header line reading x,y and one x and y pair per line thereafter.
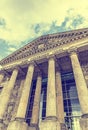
x,y
51,63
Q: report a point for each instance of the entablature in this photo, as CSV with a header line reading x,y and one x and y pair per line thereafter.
x,y
40,47
42,57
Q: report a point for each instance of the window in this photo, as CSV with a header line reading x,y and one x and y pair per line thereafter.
x,y
71,102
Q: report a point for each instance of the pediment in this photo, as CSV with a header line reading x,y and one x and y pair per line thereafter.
x,y
46,42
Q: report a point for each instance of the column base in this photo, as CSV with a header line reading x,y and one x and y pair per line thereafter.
x,y
33,127
50,123
63,126
84,122
18,124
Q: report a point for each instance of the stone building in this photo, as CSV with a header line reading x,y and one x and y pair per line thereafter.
x,y
43,85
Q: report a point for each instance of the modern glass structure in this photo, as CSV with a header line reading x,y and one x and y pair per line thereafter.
x,y
44,85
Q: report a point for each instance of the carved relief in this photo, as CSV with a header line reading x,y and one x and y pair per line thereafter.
x,y
13,104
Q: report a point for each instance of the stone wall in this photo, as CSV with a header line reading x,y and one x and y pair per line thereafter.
x,y
13,103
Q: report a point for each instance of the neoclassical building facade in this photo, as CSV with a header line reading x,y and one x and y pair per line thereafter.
x,y
43,85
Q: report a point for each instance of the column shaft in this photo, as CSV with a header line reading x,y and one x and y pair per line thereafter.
x,y
51,92
36,105
25,93
6,92
1,77
80,83
59,98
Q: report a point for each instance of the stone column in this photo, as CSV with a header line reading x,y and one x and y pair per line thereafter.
x,y
6,92
51,122
81,88
59,99
51,92
19,123
36,106
1,77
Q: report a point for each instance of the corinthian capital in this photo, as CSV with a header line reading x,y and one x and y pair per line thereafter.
x,y
72,50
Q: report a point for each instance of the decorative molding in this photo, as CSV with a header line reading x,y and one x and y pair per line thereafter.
x,y
46,42
72,50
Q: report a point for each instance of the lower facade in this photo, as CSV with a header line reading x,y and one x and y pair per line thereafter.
x,y
51,99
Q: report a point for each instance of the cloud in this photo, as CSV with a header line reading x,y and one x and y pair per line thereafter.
x,y
2,23
11,49
23,20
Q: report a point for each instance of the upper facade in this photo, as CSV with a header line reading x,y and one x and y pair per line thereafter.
x,y
51,44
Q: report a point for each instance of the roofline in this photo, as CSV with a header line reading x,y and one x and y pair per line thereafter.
x,y
39,38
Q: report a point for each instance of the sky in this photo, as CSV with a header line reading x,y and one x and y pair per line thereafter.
x,y
22,21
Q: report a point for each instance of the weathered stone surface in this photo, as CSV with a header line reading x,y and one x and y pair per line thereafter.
x,y
36,105
17,125
25,93
6,93
84,123
33,127
59,98
51,92
80,83
50,125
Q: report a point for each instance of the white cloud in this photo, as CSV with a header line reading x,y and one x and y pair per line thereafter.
x,y
21,15
11,49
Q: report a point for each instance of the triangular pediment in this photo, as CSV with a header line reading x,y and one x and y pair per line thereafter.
x,y
46,42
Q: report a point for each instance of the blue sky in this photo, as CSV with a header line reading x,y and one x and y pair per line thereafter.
x,y
21,21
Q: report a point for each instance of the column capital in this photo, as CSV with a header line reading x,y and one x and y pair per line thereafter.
x,y
49,57
16,67
31,63
72,50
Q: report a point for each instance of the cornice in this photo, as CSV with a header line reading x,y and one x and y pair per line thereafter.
x,y
44,56
45,43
